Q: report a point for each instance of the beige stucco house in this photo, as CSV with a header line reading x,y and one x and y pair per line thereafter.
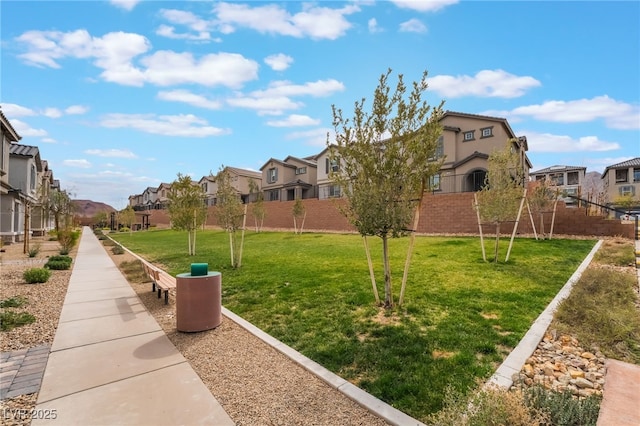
x,y
291,179
568,180
620,181
467,141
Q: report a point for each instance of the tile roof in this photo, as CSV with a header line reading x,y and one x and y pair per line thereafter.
x,y
557,169
634,162
23,150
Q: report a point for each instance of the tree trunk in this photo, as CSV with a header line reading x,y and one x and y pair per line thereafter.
x,y
553,218
515,225
371,273
388,295
533,224
412,239
302,224
231,249
484,252
495,253
244,224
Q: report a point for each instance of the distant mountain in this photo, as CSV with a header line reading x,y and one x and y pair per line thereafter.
x,y
593,185
88,208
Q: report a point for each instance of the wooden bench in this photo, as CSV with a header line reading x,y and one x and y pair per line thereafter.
x,y
160,281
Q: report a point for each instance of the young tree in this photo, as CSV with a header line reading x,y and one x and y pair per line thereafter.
x,y
187,208
257,207
299,212
101,219
59,204
127,217
542,197
385,156
501,198
230,214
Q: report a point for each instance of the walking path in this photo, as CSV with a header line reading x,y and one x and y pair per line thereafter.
x,y
110,361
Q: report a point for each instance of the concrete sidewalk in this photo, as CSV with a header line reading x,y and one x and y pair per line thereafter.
x,y
110,361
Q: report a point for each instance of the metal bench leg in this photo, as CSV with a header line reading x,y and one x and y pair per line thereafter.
x,y
153,286
166,297
159,292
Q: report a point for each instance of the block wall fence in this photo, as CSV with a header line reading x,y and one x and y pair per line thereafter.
x,y
440,214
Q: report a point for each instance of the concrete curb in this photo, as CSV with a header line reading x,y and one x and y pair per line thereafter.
x,y
503,377
366,400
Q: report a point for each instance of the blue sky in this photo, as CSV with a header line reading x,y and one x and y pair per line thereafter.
x,y
122,95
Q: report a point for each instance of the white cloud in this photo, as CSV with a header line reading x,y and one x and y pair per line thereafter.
x,y
81,164
600,163
546,142
313,21
166,68
114,153
52,113
278,62
276,98
127,5
170,32
115,52
424,5
265,105
25,130
413,25
294,120
76,110
486,83
15,110
316,89
372,24
616,114
189,98
184,125
199,27
315,137
48,140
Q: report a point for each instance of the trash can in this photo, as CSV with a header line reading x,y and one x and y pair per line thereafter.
x,y
198,299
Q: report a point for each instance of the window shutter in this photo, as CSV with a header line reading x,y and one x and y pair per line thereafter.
x,y
326,165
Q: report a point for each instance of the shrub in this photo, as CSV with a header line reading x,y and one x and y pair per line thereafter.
x,y
34,250
117,249
486,407
36,275
125,229
562,408
67,240
63,258
57,265
13,302
10,320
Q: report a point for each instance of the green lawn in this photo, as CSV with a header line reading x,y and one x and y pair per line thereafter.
x,y
460,318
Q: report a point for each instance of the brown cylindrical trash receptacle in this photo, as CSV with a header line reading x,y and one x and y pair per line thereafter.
x,y
198,301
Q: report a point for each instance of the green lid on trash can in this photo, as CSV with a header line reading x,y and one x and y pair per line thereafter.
x,y
199,269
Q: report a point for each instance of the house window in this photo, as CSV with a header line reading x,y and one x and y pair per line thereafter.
x,y
636,174
204,187
334,191
468,136
439,149
487,132
331,165
622,175
301,170
273,195
32,184
627,191
557,178
540,177
272,175
573,178
434,182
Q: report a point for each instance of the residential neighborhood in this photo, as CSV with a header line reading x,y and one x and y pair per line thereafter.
x,y
465,145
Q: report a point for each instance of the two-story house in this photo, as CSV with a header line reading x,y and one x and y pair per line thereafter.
x,y
41,219
210,188
466,142
243,180
621,181
326,165
25,166
149,197
568,180
288,180
9,203
162,195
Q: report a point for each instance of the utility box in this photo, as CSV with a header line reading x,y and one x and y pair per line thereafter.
x,y
198,299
